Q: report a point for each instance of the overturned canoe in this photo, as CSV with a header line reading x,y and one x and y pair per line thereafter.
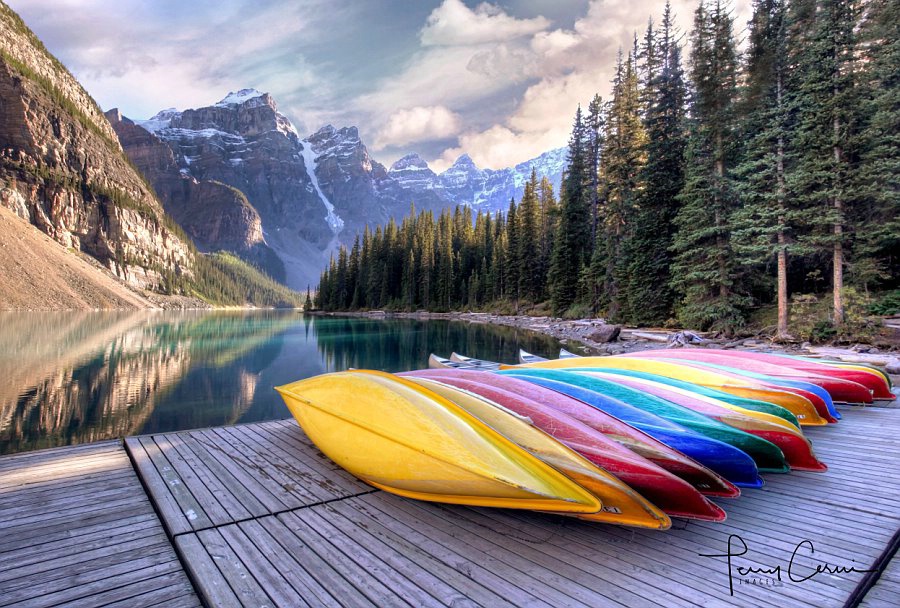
x,y
622,504
789,439
404,439
706,481
765,454
801,407
822,385
673,495
755,405
726,460
845,385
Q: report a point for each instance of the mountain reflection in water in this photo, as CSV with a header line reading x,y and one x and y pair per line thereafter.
x,y
77,377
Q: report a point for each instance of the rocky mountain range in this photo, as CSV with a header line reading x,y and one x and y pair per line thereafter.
x,y
309,194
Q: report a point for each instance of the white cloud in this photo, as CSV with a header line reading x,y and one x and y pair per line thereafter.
x,y
562,67
455,24
417,124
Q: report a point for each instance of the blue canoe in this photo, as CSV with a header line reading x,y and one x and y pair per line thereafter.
x,y
726,460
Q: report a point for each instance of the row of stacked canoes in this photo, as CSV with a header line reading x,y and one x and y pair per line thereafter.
x,y
630,440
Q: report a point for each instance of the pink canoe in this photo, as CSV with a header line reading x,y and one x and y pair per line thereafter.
x,y
700,477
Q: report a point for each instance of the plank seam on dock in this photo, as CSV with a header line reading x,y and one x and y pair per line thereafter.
x,y
273,513
173,535
871,578
182,559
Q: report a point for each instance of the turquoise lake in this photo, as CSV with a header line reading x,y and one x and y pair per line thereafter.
x,y
78,377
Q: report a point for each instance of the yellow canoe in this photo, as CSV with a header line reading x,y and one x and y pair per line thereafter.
x,y
798,405
404,439
621,504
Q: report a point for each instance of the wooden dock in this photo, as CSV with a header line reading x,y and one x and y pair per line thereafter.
x,y
77,529
258,517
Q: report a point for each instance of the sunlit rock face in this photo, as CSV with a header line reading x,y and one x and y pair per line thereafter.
x,y
63,171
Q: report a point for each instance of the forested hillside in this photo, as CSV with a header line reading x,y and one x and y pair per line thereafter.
x,y
703,189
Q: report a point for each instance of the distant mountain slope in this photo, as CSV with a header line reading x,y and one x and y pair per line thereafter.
x,y
62,169
63,172
316,192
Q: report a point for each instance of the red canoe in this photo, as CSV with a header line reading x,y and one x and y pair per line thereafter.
x,y
700,477
796,448
839,386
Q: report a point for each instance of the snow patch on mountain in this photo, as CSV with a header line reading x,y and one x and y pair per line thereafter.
x,y
238,97
309,160
159,121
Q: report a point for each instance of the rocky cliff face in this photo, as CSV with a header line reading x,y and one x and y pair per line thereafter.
x,y
62,169
215,215
311,194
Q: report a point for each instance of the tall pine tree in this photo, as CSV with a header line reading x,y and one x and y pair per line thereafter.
x,y
704,272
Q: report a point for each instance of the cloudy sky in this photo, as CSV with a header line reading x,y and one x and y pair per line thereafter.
x,y
439,77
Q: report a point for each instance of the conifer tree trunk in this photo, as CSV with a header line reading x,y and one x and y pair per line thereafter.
x,y
838,261
782,329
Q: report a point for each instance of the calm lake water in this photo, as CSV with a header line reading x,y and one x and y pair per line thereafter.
x,y
77,377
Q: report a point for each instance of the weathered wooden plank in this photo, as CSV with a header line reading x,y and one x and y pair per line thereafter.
x,y
531,579
55,487
238,576
113,586
173,517
258,563
254,498
498,589
363,581
190,507
174,594
295,441
317,567
188,473
605,556
80,545
422,569
287,563
111,512
286,470
77,562
46,507
74,535
367,561
205,574
26,525
17,461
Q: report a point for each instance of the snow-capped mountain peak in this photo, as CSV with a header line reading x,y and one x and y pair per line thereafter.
x,y
239,97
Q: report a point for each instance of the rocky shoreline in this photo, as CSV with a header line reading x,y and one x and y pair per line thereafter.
x,y
596,337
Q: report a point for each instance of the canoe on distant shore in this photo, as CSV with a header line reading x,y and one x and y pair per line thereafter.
x,y
526,357
706,481
478,363
673,495
436,362
404,439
